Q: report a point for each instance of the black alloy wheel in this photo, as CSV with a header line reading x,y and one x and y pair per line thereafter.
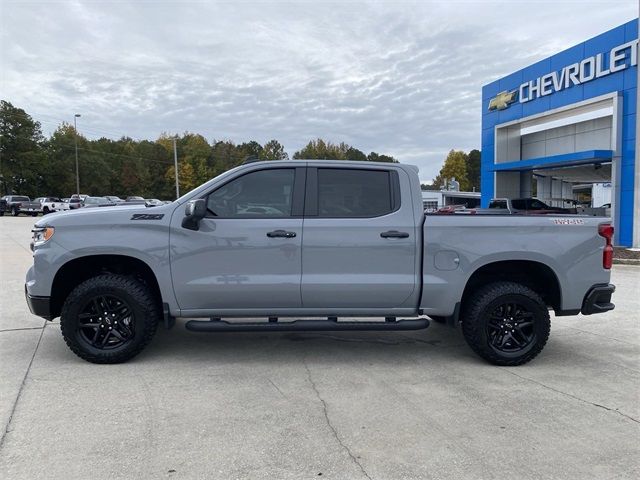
x,y
509,328
106,322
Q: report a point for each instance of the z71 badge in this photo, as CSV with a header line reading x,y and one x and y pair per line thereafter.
x,y
147,216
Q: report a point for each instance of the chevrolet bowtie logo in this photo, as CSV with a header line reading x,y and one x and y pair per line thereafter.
x,y
502,100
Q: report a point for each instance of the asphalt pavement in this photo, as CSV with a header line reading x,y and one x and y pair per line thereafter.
x,y
348,405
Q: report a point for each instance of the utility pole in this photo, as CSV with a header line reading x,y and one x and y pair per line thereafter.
x,y
175,166
75,132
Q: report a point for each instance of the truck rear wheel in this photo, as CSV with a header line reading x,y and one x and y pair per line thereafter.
x,y
15,211
109,318
506,323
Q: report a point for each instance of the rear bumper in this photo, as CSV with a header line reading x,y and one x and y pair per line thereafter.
x,y
598,299
40,306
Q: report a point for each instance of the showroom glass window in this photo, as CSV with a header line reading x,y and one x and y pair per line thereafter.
x,y
264,193
346,193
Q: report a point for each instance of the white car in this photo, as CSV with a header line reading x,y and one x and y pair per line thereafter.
x,y
51,204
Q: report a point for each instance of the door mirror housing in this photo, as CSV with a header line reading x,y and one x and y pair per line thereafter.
x,y
193,213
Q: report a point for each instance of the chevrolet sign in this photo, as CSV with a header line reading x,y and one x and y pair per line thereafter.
x,y
597,66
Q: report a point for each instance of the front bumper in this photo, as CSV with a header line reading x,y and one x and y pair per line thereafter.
x,y
598,299
40,306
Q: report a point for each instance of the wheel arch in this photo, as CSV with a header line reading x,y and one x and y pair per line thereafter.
x,y
77,270
536,275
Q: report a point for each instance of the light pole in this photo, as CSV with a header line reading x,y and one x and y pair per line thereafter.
x,y
175,166
75,132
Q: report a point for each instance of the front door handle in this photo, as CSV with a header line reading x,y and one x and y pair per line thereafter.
x,y
394,234
281,234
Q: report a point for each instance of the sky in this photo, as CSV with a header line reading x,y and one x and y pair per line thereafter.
x,y
399,78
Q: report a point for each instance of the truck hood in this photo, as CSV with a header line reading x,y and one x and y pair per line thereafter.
x,y
107,216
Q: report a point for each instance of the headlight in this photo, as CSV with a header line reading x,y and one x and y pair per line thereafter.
x,y
41,235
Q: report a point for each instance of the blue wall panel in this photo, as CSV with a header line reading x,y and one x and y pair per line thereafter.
x,y
629,104
629,127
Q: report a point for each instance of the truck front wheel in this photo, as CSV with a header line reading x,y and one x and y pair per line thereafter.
x,y
506,323
109,318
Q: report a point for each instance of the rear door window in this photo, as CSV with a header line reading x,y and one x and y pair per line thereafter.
x,y
354,193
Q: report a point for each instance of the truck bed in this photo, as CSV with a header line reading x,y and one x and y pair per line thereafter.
x,y
456,246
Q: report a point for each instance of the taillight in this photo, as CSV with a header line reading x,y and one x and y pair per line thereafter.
x,y
606,230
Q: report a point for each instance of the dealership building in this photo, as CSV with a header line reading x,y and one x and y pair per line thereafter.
x,y
564,129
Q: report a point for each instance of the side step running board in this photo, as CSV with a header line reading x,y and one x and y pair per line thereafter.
x,y
304,326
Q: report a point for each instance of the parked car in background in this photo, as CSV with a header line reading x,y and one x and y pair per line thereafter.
x,y
51,204
17,204
525,205
449,209
114,199
73,202
135,200
97,202
153,202
3,206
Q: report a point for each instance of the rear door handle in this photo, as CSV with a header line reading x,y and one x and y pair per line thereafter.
x,y
281,234
394,234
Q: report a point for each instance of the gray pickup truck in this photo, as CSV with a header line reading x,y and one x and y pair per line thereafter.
x,y
304,245
17,204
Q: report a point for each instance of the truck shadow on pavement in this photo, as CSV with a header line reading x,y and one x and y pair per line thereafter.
x,y
437,341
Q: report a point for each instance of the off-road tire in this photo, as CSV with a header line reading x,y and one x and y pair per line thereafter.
x,y
45,210
15,212
144,306
476,315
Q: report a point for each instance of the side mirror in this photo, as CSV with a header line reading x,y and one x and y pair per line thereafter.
x,y
193,213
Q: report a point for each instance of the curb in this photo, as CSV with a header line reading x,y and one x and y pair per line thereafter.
x,y
626,261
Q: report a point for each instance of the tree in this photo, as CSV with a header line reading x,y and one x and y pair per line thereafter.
x,y
455,167
224,156
355,154
250,149
319,149
375,157
473,170
59,162
273,150
20,151
186,176
196,151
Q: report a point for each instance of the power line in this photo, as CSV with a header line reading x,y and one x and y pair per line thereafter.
x,y
93,130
